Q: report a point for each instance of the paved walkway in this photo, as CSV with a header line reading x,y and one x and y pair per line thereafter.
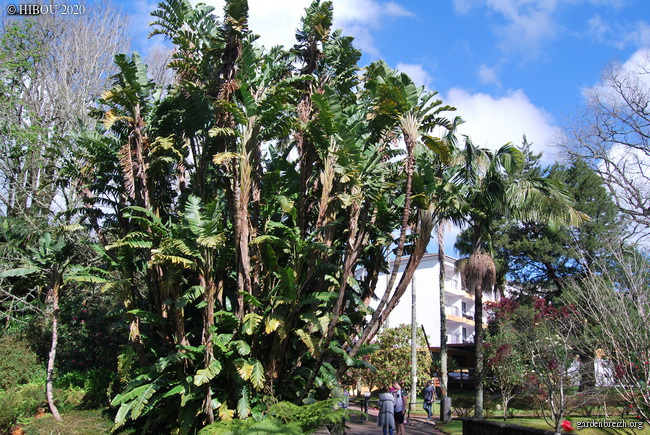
x,y
416,426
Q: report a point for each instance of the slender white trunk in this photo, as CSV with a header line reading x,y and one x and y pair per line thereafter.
x,y
414,346
443,312
49,383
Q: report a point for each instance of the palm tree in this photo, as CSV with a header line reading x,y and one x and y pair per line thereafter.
x,y
497,190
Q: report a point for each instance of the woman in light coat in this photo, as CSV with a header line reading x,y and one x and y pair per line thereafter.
x,y
386,418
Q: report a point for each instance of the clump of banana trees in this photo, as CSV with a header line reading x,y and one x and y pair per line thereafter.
x,y
235,206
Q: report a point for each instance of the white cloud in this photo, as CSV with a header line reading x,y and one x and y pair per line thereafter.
x,y
494,121
276,22
619,35
488,76
598,28
417,73
462,6
525,25
632,74
637,36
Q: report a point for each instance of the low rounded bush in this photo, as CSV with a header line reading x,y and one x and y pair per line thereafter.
x,y
463,405
19,364
19,402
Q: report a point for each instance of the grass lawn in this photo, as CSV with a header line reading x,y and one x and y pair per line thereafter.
x,y
91,422
456,427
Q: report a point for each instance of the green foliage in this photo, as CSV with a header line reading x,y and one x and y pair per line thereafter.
x,y
253,427
312,416
19,364
18,402
463,405
285,418
233,263
391,361
97,386
538,259
90,332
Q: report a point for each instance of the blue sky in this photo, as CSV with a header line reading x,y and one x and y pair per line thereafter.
x,y
510,67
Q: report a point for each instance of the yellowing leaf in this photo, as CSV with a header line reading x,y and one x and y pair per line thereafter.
x,y
222,158
226,414
271,325
245,370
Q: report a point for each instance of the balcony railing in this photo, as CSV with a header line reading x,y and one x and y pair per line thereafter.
x,y
458,339
455,311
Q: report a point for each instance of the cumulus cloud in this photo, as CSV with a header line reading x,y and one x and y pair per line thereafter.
x,y
494,121
633,74
417,73
276,22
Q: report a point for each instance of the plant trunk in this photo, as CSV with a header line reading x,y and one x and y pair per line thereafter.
x,y
414,346
478,340
49,383
443,312
206,339
380,313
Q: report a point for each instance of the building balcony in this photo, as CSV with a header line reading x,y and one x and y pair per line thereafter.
x,y
455,314
458,291
458,339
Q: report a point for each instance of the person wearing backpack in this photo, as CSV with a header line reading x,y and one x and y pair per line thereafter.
x,y
429,397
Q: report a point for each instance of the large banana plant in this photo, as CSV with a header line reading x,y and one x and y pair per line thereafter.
x,y
244,199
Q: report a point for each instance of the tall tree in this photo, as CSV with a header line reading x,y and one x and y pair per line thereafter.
x,y
47,266
540,261
415,116
610,133
496,193
53,69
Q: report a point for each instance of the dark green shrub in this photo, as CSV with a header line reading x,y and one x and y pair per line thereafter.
x,y
310,417
286,418
252,427
90,335
463,405
19,364
18,402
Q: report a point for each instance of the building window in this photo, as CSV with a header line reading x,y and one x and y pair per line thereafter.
x,y
464,335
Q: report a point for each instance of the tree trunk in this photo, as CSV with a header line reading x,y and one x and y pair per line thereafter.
x,y
443,312
380,313
478,339
414,347
49,383
206,338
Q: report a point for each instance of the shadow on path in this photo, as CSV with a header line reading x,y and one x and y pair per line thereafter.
x,y
416,426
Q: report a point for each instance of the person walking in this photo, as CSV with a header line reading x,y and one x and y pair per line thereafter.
x,y
401,402
429,397
386,418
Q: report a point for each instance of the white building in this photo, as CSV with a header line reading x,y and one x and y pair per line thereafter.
x,y
459,304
